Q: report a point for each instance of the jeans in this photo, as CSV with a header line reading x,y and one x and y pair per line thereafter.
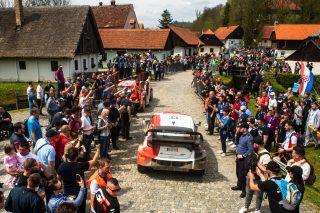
x,y
249,195
223,138
104,144
60,89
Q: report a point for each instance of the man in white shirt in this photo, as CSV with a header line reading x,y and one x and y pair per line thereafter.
x,y
298,159
313,121
88,128
289,142
272,100
24,152
40,96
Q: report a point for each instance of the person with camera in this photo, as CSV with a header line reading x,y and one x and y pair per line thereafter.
x,y
68,171
56,197
268,186
259,158
243,150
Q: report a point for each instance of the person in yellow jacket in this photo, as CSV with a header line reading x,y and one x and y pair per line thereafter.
x,y
99,179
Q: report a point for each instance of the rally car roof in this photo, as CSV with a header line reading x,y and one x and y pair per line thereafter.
x,y
172,121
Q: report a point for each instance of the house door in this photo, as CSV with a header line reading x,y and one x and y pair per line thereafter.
x,y
190,52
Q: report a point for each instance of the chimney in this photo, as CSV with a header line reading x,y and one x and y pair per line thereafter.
x,y
113,2
100,3
19,13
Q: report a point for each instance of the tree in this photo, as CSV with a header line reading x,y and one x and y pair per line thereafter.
x,y
166,19
226,15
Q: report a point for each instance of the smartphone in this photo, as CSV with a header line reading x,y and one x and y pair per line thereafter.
x,y
78,177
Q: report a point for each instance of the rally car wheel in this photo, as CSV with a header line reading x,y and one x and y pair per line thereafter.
x,y
141,169
199,173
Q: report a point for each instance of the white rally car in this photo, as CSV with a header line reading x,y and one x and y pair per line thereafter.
x,y
172,143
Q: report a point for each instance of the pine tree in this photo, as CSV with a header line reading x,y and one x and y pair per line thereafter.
x,y
166,19
226,15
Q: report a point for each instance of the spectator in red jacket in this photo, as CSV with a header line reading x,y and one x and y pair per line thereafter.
x,y
59,142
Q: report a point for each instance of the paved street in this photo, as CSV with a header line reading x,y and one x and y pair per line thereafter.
x,y
159,191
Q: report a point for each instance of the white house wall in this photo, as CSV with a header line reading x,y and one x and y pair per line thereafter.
x,y
206,50
40,69
286,53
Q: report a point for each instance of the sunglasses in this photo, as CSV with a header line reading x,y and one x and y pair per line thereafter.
x,y
114,190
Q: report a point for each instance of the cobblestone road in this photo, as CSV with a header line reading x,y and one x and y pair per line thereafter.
x,y
165,192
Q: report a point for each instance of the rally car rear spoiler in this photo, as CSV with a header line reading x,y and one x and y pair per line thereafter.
x,y
164,137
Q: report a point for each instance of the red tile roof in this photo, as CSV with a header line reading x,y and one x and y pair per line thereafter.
x,y
295,31
208,32
112,16
186,35
267,31
223,32
134,39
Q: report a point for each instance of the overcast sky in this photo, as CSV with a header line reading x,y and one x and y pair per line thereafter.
x,y
149,11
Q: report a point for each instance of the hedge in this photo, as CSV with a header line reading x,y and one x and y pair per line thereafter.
x,y
287,80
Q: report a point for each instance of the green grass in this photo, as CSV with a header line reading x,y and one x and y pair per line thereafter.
x,y
313,192
225,79
8,93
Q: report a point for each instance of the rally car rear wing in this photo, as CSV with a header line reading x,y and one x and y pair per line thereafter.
x,y
176,136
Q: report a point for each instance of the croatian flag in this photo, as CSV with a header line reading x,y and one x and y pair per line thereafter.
x,y
307,79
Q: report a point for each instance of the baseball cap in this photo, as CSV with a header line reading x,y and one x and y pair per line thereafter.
x,y
295,170
51,133
258,140
273,167
272,93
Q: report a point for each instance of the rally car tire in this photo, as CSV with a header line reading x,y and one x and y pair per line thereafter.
x,y
141,169
199,173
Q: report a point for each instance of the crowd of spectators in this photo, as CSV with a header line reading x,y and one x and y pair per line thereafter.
x,y
87,116
268,143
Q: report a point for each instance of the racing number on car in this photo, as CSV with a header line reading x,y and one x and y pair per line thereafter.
x,y
173,117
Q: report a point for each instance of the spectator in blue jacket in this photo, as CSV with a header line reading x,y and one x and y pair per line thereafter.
x,y
243,150
224,121
56,198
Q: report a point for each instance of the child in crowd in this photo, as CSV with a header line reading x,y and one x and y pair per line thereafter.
x,y
12,164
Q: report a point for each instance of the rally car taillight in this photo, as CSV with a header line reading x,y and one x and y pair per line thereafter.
x,y
149,143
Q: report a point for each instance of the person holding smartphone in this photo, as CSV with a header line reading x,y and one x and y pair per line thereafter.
x,y
68,171
55,187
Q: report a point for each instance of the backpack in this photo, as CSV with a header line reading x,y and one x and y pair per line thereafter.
x,y
312,176
26,130
291,196
253,159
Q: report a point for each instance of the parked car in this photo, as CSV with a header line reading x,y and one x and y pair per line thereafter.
x,y
143,97
172,143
